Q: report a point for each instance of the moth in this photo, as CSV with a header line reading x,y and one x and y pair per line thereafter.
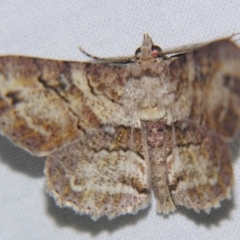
x,y
115,129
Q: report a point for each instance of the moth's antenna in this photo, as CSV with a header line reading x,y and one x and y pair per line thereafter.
x,y
89,55
193,46
123,59
233,35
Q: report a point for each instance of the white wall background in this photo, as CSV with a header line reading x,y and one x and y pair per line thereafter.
x,y
55,29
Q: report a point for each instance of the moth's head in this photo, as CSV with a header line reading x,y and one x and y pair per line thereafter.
x,y
148,50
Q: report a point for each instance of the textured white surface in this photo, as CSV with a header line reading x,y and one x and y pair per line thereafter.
x,y
55,29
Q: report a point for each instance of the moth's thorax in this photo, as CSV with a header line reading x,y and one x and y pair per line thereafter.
x,y
150,90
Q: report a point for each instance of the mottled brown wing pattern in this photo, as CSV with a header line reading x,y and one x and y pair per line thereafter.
x,y
47,104
114,131
212,73
205,175
73,111
101,174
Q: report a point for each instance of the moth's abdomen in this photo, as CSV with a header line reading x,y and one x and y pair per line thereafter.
x,y
157,139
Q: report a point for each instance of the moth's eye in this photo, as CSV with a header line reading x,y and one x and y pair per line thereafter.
x,y
156,51
138,52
